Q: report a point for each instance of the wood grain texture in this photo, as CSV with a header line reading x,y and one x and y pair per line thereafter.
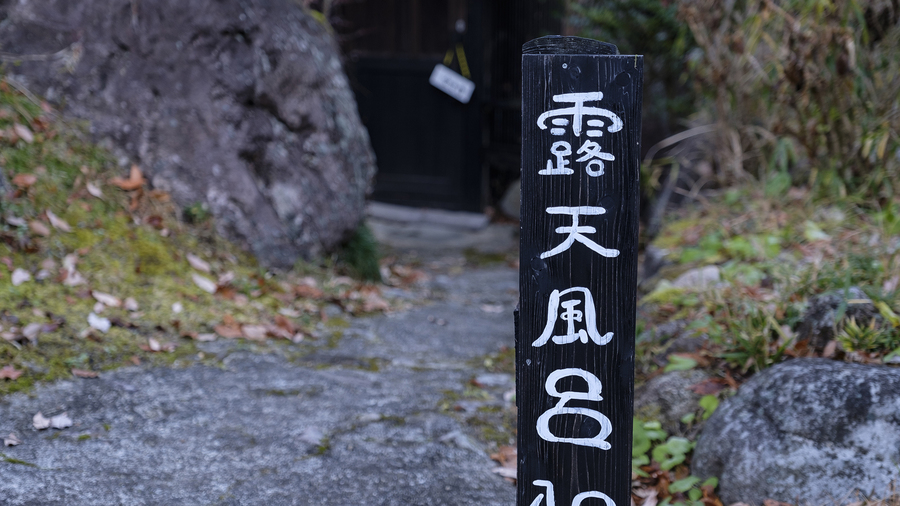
x,y
576,468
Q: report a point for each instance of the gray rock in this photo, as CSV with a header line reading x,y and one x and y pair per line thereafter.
x,y
807,431
819,321
668,398
239,105
700,278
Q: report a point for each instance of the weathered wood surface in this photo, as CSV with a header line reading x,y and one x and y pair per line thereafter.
x,y
581,105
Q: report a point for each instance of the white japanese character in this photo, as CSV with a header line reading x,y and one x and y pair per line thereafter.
x,y
575,231
594,387
570,316
560,150
578,111
551,501
595,154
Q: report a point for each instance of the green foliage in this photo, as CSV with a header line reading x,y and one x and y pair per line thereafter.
x,y
680,363
709,403
868,338
802,91
650,28
360,254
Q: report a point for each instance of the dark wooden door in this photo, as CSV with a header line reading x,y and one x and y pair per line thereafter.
x,y
427,144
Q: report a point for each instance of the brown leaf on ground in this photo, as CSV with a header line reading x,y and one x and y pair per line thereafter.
x,y
9,372
285,324
24,180
135,180
709,386
229,331
155,221
81,373
308,292
506,457
39,228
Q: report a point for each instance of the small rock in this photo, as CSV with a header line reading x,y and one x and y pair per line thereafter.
x,y
819,324
668,398
700,278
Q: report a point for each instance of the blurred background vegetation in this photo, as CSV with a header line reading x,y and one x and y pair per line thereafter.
x,y
795,92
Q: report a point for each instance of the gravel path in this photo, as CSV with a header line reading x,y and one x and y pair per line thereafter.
x,y
361,420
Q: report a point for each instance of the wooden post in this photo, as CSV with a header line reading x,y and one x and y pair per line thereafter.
x,y
581,124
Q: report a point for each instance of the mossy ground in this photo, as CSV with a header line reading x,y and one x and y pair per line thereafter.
x,y
128,244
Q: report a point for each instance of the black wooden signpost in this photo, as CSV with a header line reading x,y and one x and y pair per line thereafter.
x,y
581,124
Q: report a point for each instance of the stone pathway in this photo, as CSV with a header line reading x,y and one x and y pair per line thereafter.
x,y
358,418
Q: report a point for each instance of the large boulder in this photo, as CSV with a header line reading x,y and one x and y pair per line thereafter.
x,y
807,431
241,105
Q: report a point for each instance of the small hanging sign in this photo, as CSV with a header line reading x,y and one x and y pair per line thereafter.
x,y
451,83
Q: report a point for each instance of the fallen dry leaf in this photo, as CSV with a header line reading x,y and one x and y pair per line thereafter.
x,y
156,346
16,222
130,304
40,422
11,440
39,228
228,331
24,180
61,421
94,190
20,276
205,284
276,331
308,292
23,132
81,373
205,337
374,302
106,299
254,332
9,372
198,263
135,180
58,223
99,323
285,324
709,386
32,331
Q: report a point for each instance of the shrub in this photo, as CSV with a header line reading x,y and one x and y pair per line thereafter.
x,y
802,89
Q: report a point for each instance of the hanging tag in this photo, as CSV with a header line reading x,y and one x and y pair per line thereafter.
x,y
452,83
